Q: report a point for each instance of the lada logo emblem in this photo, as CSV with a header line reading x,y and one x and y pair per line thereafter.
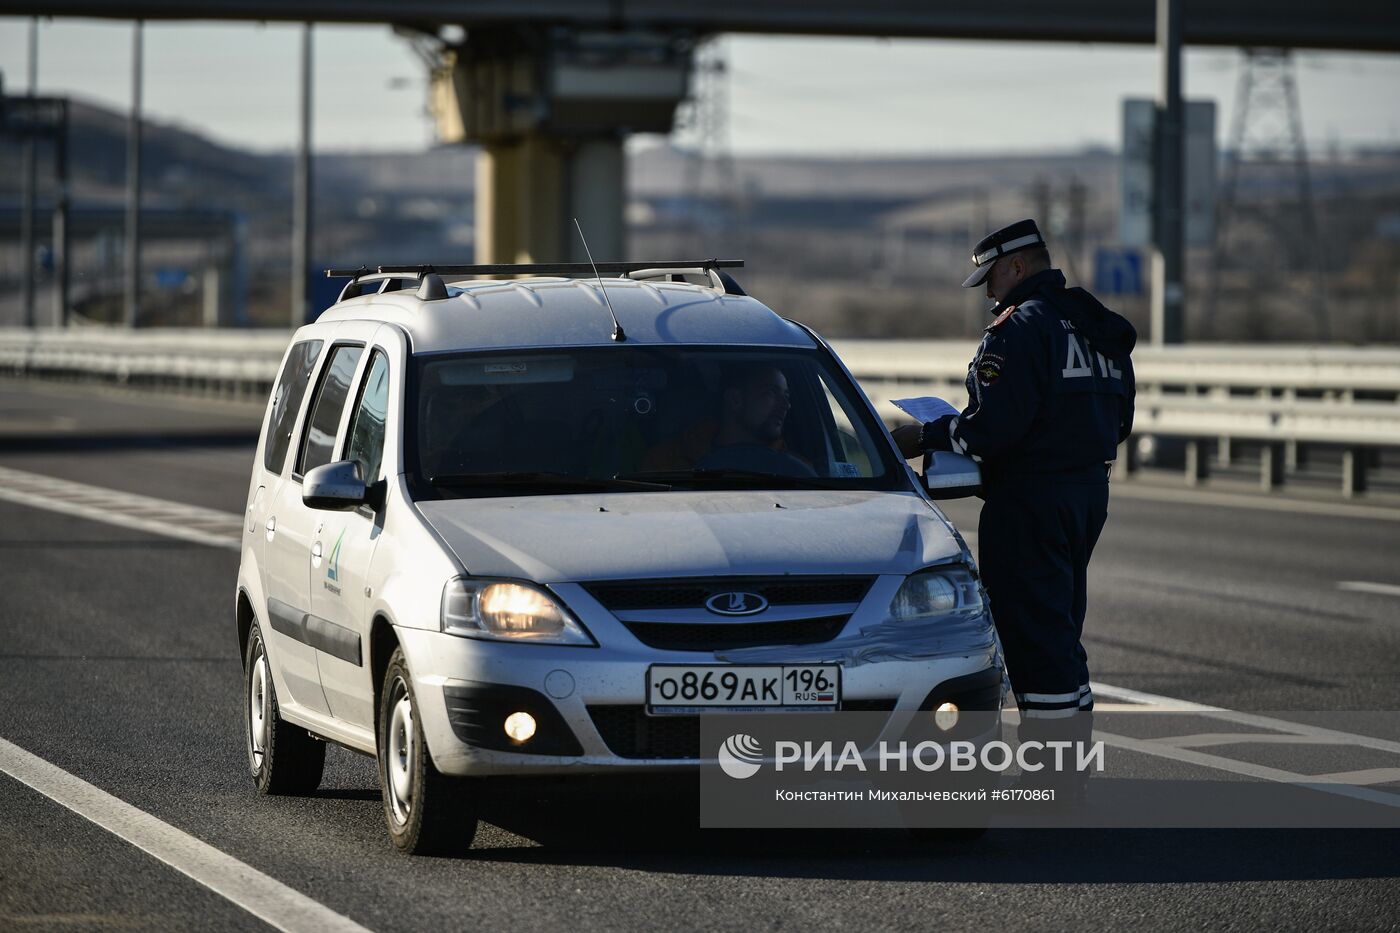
x,y
736,604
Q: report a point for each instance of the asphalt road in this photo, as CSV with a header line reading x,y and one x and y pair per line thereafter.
x,y
118,664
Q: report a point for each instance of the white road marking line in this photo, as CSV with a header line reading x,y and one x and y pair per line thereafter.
x,y
1362,586
21,480
127,510
1323,783
124,521
1163,703
1137,490
1364,776
242,885
1344,784
1207,739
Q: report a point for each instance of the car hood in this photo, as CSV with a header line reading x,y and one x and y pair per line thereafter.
x,y
555,539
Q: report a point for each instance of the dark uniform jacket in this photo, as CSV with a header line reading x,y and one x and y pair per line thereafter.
x,y
1051,388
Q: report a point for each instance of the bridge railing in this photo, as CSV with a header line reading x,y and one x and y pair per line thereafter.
x,y
234,363
1280,398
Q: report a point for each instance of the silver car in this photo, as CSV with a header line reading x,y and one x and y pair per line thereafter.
x,y
542,525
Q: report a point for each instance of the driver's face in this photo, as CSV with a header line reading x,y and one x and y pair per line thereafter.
x,y
763,405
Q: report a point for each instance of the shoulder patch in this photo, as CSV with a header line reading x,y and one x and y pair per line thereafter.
x,y
1001,318
988,368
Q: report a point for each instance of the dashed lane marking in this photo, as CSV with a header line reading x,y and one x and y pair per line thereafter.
x,y
242,885
127,510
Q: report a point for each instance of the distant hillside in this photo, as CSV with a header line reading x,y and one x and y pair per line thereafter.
x,y
661,170
870,247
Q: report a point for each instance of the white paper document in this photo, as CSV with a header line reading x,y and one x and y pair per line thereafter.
x,y
926,409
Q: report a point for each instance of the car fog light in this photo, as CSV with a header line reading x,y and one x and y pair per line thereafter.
x,y
520,727
946,716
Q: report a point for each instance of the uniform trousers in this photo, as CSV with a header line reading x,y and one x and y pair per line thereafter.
x,y
1035,537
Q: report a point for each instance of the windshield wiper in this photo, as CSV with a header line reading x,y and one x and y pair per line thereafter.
x,y
728,474
543,478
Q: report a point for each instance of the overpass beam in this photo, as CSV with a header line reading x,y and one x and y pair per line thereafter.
x,y
551,110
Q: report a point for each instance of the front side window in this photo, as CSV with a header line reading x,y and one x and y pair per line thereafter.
x,y
319,441
286,402
366,445
645,419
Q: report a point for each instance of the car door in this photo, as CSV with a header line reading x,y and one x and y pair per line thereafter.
x,y
293,660
292,525
283,410
346,541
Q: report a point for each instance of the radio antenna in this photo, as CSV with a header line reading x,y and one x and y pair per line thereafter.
x,y
617,333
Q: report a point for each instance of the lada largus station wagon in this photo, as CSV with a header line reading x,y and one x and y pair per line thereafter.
x,y
541,525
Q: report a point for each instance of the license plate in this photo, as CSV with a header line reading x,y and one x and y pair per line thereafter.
x,y
693,688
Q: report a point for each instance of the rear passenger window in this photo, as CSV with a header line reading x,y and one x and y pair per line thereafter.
x,y
286,402
326,408
366,445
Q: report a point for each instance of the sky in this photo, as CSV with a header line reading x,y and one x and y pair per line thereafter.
x,y
236,83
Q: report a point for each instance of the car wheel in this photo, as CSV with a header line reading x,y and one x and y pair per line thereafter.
x,y
427,813
283,758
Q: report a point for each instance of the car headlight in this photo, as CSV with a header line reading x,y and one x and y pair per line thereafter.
x,y
940,591
508,611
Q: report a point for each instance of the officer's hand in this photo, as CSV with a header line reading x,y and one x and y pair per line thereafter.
x,y
906,438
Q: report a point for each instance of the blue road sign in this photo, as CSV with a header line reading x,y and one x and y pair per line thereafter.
x,y
171,277
1118,272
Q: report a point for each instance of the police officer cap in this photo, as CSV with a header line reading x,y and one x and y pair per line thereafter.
x,y
1023,234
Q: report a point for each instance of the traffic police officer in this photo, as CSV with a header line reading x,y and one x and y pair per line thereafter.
x,y
1050,399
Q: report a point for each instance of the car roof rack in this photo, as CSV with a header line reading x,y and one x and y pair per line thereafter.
x,y
430,285
429,276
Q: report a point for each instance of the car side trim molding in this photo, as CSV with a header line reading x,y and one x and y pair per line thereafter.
x,y
321,634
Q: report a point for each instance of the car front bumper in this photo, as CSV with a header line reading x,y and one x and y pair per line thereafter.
x,y
589,703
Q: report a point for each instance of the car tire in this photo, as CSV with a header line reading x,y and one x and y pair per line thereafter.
x,y
427,813
283,758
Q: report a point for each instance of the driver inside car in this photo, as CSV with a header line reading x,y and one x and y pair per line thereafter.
x,y
748,434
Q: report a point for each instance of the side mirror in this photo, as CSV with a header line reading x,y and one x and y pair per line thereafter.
x,y
951,476
335,487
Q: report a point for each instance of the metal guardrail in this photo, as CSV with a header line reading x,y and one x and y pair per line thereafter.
x,y
235,363
1280,397
1225,366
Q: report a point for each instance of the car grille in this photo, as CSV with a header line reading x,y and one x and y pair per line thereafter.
x,y
630,733
712,636
691,593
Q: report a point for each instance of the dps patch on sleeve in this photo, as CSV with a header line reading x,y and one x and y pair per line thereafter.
x,y
988,368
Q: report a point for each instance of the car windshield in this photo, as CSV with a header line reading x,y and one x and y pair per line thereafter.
x,y
639,419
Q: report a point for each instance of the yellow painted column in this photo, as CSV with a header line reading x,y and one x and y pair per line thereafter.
x,y
529,190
